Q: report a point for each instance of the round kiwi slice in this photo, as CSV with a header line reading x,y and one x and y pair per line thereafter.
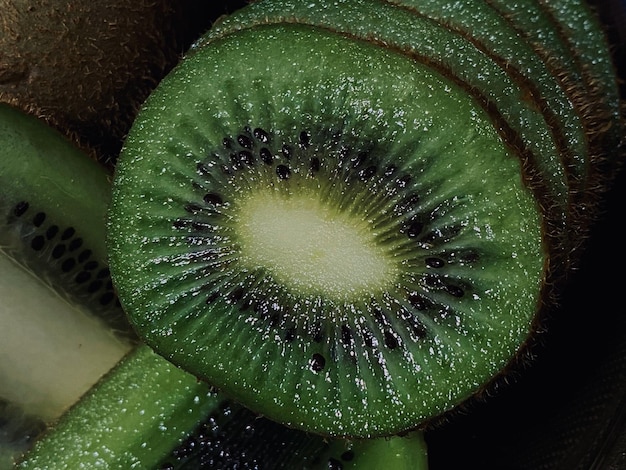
x,y
352,255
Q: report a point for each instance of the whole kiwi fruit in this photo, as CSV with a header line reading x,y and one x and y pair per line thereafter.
x,y
86,66
355,247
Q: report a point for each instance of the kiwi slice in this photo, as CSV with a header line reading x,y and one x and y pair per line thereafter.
x,y
351,258
53,202
61,326
129,419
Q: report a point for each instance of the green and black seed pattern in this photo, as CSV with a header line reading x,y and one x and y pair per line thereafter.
x,y
234,437
59,254
422,291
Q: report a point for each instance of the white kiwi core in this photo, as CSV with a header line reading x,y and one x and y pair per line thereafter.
x,y
312,248
51,352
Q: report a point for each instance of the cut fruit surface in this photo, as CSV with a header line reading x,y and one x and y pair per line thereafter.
x,y
61,328
384,159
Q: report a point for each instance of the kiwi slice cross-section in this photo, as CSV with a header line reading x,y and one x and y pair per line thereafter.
x,y
61,326
351,256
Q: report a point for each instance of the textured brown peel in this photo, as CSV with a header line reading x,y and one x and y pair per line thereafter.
x,y
85,66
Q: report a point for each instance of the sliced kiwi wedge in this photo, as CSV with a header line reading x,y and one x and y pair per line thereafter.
x,y
350,257
131,418
53,202
61,327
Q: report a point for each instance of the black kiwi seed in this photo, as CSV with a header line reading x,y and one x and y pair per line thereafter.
x,y
20,208
39,219
266,156
261,135
244,141
213,199
318,363
283,172
68,233
52,232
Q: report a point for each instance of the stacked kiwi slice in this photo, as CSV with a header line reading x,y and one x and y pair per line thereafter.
x,y
352,216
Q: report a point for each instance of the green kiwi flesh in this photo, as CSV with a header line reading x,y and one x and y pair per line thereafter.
x,y
58,335
133,417
438,270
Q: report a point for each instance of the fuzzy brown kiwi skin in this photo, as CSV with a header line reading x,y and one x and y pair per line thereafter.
x,y
86,66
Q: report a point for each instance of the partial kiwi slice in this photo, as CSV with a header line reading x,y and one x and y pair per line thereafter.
x,y
570,40
132,418
53,203
351,256
61,327
147,413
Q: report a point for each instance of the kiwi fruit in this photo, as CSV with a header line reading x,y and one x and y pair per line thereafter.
x,y
352,344
61,327
355,247
85,67
128,419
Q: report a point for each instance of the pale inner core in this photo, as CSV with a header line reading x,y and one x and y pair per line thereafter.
x,y
312,248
